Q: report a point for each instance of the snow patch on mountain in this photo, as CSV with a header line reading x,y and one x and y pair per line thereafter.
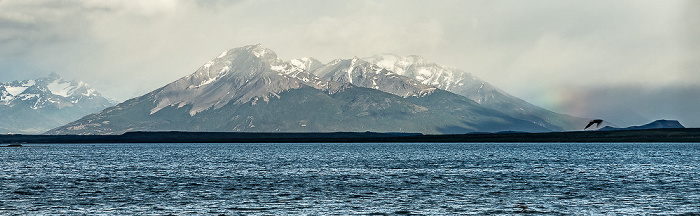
x,y
15,90
259,52
68,88
60,88
223,54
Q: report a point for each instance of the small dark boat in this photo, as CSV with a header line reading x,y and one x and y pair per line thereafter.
x,y
14,145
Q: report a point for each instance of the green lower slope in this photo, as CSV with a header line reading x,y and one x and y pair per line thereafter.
x,y
307,109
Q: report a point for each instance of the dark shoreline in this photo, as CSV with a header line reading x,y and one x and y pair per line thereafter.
x,y
687,135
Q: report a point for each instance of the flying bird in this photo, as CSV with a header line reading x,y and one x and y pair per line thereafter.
x,y
596,121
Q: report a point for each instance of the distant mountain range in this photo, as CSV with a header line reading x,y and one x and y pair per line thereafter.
x,y
35,106
249,89
658,124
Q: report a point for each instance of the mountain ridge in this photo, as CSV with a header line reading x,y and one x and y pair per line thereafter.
x,y
414,76
266,68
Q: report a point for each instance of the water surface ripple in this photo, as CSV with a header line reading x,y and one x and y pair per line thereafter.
x,y
342,179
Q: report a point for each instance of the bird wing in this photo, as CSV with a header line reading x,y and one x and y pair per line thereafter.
x,y
589,125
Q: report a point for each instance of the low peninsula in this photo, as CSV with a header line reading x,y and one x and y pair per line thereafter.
x,y
682,135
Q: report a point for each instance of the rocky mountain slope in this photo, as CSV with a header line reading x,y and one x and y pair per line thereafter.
x,y
465,84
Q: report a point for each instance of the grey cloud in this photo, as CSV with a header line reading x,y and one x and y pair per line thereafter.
x,y
690,39
529,48
24,28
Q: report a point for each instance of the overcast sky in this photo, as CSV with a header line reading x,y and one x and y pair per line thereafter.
x,y
627,61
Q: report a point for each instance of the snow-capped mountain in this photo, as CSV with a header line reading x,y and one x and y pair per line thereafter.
x,y
364,74
240,75
429,73
307,64
250,89
34,106
470,86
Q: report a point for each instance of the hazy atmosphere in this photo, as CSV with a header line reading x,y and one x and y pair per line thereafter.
x,y
629,62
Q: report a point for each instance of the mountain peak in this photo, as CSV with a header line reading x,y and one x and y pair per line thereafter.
x,y
53,76
238,75
257,50
262,52
306,63
230,62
